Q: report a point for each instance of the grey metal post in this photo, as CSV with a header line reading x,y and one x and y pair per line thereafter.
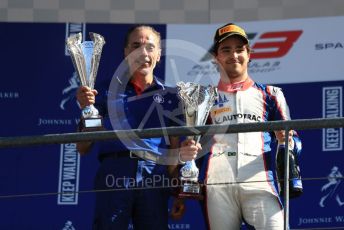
x,y
286,180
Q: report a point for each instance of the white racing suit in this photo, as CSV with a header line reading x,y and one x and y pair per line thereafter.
x,y
239,174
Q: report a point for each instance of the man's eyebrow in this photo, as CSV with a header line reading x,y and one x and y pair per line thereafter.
x,y
226,47
136,43
146,43
150,43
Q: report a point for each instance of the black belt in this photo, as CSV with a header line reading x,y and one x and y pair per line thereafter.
x,y
145,155
132,154
114,155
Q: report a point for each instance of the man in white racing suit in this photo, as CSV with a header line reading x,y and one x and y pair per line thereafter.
x,y
239,169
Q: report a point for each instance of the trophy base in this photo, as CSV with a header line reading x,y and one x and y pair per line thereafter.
x,y
190,190
92,124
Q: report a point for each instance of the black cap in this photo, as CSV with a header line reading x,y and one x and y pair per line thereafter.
x,y
226,31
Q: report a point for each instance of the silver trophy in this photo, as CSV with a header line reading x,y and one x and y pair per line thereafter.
x,y
197,101
85,57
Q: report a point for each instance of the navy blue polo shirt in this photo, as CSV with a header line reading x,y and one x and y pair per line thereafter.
x,y
157,106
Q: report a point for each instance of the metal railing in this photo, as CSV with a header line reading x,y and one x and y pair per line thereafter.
x,y
301,124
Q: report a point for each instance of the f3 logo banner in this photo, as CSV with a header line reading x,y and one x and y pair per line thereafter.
x,y
273,44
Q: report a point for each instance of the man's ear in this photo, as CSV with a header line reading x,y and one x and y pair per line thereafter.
x,y
159,56
213,58
126,52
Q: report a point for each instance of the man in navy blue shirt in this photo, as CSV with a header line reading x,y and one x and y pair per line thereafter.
x,y
135,170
